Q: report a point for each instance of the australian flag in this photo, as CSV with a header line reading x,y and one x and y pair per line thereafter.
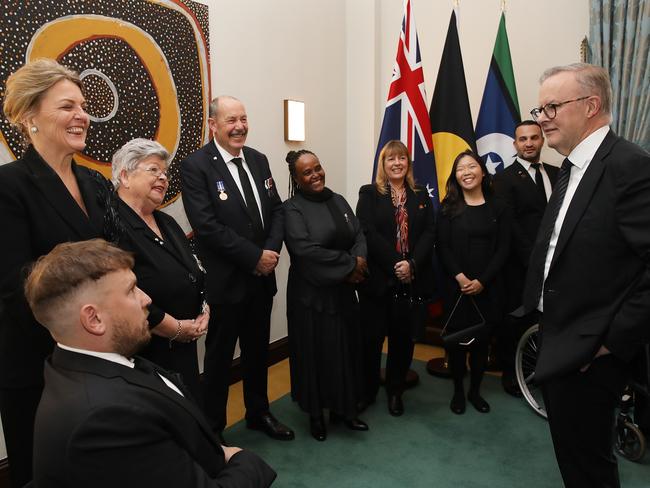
x,y
406,117
495,127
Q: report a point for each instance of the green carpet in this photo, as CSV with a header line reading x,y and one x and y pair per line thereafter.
x,y
427,447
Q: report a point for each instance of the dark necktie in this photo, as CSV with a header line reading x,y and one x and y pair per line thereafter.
x,y
538,259
539,181
251,204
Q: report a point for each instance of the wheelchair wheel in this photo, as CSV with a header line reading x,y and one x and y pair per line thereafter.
x,y
630,441
525,361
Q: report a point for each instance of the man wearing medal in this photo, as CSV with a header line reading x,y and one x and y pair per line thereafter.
x,y
236,214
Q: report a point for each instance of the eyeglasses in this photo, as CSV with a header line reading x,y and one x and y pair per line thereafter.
x,y
550,109
154,171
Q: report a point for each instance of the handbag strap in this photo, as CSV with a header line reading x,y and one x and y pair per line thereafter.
x,y
460,297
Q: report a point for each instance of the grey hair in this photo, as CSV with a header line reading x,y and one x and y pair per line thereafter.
x,y
593,78
130,154
214,104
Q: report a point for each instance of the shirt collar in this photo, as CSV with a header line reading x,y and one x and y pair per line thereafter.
x,y
526,164
227,157
108,356
585,151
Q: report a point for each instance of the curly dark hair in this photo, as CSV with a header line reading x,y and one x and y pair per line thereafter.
x,y
292,157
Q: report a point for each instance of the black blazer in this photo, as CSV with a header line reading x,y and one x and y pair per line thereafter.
x,y
222,228
597,291
515,186
168,272
453,249
377,216
103,424
36,213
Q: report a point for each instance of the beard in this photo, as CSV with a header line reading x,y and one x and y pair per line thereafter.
x,y
127,338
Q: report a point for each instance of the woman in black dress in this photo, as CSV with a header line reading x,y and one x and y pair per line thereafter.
x,y
473,244
398,222
164,264
328,258
45,199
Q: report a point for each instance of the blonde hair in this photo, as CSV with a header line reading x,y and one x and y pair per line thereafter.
x,y
26,86
392,148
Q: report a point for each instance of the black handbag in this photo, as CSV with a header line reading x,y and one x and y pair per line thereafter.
x,y
463,332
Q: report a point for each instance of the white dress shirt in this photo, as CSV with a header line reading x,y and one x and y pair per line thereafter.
x,y
232,167
528,166
115,358
581,156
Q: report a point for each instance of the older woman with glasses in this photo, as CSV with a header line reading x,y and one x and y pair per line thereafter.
x,y
164,264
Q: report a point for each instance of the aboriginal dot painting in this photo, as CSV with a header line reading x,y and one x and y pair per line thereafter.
x,y
144,65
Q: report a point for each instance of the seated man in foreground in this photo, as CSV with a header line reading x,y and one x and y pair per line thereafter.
x,y
105,419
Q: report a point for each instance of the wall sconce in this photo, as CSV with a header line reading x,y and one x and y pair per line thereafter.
x,y
294,120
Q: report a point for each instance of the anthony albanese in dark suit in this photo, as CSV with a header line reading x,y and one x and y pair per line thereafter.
x,y
589,272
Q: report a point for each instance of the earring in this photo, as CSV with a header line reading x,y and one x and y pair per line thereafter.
x,y
33,129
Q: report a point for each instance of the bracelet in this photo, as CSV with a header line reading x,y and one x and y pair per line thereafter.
x,y
178,332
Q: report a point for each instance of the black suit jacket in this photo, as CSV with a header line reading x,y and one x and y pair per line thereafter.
x,y
515,186
597,291
36,213
377,216
168,272
222,228
103,424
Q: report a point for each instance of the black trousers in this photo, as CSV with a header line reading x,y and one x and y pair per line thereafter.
x,y
478,355
249,321
18,410
380,318
581,418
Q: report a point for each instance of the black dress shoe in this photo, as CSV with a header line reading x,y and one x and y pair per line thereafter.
x,y
395,405
479,403
354,424
268,424
457,404
317,428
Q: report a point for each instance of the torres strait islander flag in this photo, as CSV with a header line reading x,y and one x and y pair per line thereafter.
x,y
451,118
405,117
499,113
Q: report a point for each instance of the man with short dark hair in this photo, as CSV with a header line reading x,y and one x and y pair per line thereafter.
x,y
589,272
105,419
525,186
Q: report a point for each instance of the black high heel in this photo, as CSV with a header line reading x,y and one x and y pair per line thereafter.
x,y
457,404
317,428
354,424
